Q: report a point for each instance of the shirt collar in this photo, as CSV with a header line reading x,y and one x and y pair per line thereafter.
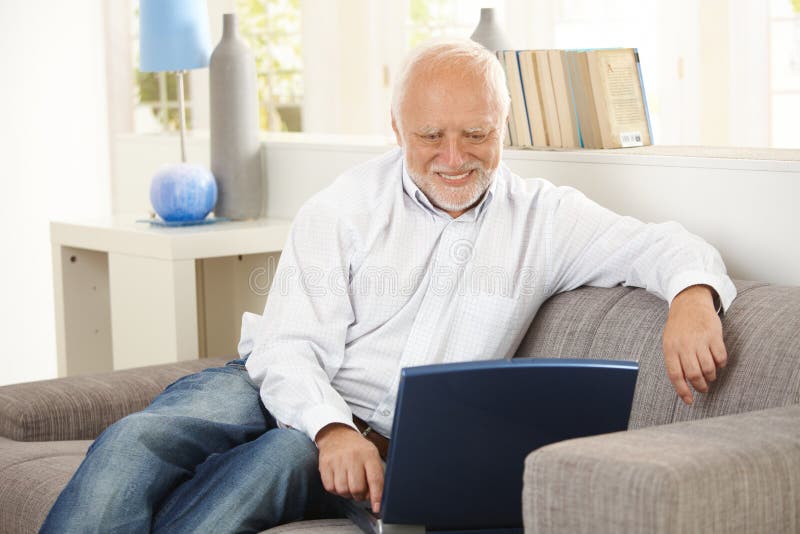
x,y
422,201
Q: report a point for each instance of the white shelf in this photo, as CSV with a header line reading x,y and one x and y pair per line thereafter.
x,y
731,158
122,234
129,294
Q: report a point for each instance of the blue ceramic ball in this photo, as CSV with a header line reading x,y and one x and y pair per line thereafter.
x,y
183,192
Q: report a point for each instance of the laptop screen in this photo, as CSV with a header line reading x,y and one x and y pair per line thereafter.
x,y
462,431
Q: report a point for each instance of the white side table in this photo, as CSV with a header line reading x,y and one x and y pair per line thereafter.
x,y
129,294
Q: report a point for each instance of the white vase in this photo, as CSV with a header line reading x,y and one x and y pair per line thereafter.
x,y
235,146
489,33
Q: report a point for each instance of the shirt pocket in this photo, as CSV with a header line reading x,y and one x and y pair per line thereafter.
x,y
487,327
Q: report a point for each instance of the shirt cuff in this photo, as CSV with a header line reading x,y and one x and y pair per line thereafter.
x,y
321,415
720,283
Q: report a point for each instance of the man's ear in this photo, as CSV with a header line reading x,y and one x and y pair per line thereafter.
x,y
397,135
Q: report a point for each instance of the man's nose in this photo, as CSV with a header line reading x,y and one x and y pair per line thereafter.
x,y
454,156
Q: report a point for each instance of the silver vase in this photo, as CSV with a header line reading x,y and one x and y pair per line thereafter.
x,y
489,33
235,146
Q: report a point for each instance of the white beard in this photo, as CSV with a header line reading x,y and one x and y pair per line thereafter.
x,y
451,198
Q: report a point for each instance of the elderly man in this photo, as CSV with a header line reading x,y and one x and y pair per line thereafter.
x,y
434,252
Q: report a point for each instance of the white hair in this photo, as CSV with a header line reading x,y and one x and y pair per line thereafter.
x,y
463,54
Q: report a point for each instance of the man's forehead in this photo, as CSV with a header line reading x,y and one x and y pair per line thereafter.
x,y
480,126
445,100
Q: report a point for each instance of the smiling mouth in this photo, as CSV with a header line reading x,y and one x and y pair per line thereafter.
x,y
455,178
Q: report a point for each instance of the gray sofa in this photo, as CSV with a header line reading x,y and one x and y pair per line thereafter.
x,y
729,463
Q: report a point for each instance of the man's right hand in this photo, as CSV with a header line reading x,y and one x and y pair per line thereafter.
x,y
349,464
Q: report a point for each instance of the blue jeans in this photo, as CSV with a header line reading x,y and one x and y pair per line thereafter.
x,y
205,456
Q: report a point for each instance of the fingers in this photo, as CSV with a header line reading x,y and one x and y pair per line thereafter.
x,y
340,482
693,372
374,469
695,368
719,352
326,474
357,482
707,364
675,373
350,467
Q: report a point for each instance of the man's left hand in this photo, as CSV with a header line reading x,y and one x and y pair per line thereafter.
x,y
692,341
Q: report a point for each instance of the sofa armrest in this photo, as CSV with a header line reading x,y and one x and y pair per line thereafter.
x,y
737,473
81,407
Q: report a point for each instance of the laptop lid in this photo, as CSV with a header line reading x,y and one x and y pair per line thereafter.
x,y
462,431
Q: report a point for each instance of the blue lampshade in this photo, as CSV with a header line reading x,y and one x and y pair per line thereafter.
x,y
173,35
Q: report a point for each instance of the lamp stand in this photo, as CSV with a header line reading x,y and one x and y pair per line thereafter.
x,y
183,193
182,113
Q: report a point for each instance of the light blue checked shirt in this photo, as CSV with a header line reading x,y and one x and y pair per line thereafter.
x,y
374,278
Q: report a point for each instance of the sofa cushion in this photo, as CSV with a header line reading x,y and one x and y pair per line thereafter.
x,y
625,323
319,526
31,477
81,407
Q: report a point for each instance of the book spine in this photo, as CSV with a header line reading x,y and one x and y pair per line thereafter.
x,y
510,135
518,61
570,95
523,125
533,104
644,95
572,71
548,98
563,96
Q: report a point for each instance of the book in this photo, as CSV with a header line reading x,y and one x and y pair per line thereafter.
x,y
617,92
510,138
548,98
580,85
565,104
520,130
576,98
531,92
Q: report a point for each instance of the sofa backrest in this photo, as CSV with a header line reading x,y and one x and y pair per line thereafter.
x,y
761,332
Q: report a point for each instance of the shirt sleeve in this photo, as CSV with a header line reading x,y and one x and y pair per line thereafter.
x,y
299,341
594,246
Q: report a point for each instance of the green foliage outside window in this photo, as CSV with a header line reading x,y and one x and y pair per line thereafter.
x,y
273,32
428,18
149,92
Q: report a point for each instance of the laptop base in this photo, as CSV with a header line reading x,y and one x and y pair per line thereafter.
x,y
361,515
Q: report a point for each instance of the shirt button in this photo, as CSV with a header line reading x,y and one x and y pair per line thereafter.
x,y
386,412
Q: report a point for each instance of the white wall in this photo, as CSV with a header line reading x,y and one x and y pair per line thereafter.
x,y
54,161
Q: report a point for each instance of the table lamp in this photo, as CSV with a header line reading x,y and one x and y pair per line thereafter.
x,y
174,37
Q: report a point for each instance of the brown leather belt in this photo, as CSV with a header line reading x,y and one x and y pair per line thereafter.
x,y
381,442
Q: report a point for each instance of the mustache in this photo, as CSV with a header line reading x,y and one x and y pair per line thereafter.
x,y
465,167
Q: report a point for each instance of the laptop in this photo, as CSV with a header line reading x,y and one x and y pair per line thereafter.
x,y
461,433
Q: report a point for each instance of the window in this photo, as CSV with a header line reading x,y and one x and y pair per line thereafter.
x,y
272,28
784,79
434,18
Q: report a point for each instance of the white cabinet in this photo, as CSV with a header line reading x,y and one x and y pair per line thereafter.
x,y
129,294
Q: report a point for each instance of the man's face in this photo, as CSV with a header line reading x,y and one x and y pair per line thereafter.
x,y
451,138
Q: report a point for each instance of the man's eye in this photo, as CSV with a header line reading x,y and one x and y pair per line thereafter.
x,y
431,137
477,137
